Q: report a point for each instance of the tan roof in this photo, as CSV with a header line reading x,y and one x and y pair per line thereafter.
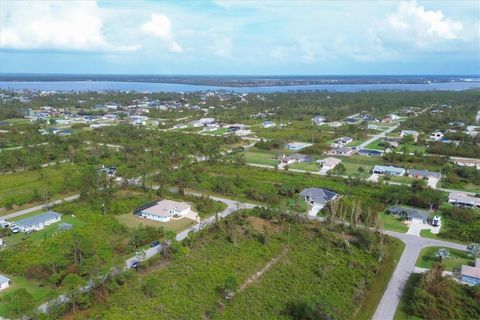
x,y
469,161
330,161
473,272
166,207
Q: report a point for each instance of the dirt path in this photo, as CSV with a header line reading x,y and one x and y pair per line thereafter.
x,y
258,274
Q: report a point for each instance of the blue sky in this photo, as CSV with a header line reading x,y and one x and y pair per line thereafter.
x,y
240,37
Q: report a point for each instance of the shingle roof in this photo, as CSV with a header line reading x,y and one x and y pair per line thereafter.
x,y
31,221
409,212
424,173
389,169
165,207
473,272
318,195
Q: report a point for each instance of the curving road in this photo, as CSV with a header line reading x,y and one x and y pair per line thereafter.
x,y
413,245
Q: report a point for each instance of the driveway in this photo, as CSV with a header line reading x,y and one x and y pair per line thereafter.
x,y
432,182
416,225
374,177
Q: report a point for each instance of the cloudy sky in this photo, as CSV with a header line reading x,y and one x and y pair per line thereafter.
x,y
240,37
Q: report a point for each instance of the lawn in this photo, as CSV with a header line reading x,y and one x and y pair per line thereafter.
x,y
402,312
45,233
393,223
218,132
23,187
375,292
428,234
260,158
457,258
307,166
132,221
375,145
402,179
40,294
352,169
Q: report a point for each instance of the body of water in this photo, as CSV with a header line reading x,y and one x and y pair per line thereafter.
x,y
67,86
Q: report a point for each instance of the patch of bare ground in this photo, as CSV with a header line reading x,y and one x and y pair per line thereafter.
x,y
259,224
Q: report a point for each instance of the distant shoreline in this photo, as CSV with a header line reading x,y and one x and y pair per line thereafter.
x,y
240,81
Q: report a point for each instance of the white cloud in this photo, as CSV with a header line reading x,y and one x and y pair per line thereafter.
x,y
56,25
412,22
159,26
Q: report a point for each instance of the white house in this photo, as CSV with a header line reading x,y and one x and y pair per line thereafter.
x,y
297,145
319,120
467,162
164,210
268,124
4,282
329,163
412,133
340,142
334,124
437,135
38,222
342,151
463,200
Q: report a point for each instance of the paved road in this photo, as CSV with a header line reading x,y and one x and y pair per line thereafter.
x,y
376,137
40,207
413,245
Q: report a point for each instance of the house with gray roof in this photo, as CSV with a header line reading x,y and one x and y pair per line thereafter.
x,y
296,157
388,170
4,282
463,200
318,196
424,174
409,213
38,222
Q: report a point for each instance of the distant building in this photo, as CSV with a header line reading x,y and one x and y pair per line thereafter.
x,y
268,124
471,275
412,133
318,196
4,282
463,200
409,213
319,120
38,222
296,157
388,170
424,174
340,142
329,163
436,136
342,151
297,145
370,152
467,162
163,210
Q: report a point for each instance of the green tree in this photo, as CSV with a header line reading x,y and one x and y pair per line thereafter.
x,y
18,303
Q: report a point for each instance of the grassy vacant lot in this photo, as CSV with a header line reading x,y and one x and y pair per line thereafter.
x,y
297,265
428,234
260,158
402,310
40,294
132,221
427,258
402,179
393,223
42,234
23,187
307,166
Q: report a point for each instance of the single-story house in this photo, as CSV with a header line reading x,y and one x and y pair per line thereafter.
x,y
456,124
318,120
437,135
38,222
409,213
318,196
424,174
340,142
471,275
370,152
334,124
297,145
4,282
109,171
329,163
412,133
467,162
268,124
463,200
163,210
342,151
388,170
296,157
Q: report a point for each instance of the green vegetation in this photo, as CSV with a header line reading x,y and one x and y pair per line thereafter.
x,y
460,224
402,312
211,278
393,223
456,259
431,296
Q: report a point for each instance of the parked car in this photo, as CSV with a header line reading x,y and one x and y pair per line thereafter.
x,y
4,224
154,243
15,230
135,264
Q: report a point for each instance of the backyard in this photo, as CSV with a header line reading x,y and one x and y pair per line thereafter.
x,y
457,258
